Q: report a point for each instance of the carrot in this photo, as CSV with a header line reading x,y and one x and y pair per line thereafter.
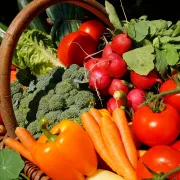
x,y
104,112
96,114
18,147
92,128
26,138
119,117
114,144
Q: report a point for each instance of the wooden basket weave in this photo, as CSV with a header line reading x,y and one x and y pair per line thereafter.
x,y
13,33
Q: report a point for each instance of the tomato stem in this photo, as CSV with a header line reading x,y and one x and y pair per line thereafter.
x,y
155,98
165,176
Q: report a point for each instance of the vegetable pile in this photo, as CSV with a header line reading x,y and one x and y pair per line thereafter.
x,y
107,99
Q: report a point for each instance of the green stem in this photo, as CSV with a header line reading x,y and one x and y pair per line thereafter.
x,y
51,137
24,176
165,176
158,96
120,95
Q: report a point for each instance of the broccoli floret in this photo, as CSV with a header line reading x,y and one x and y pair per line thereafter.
x,y
53,98
16,87
34,128
17,98
56,102
75,72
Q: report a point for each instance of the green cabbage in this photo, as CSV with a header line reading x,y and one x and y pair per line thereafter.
x,y
36,50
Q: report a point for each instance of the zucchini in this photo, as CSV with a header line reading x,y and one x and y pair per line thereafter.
x,y
39,22
66,18
3,29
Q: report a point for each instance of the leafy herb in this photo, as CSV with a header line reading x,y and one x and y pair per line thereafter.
x,y
35,50
140,59
11,164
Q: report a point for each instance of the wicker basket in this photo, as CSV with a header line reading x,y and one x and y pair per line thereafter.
x,y
16,28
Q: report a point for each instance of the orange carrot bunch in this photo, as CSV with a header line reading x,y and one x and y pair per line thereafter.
x,y
113,140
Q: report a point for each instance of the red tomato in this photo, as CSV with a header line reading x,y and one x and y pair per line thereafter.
x,y
176,145
153,128
72,48
173,99
159,159
94,28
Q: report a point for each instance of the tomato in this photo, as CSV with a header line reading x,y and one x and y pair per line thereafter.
x,y
159,158
176,145
74,47
173,99
94,28
153,128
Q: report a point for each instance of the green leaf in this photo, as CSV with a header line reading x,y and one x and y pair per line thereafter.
x,y
141,59
172,56
161,63
167,39
177,30
157,26
11,164
138,31
113,16
35,50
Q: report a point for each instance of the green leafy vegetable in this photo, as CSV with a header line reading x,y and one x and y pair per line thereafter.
x,y
161,63
141,59
172,56
11,164
138,31
113,17
177,30
35,50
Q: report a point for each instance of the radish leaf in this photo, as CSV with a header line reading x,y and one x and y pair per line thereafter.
x,y
172,56
140,59
11,164
113,16
160,63
139,30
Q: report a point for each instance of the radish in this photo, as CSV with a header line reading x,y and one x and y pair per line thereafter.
x,y
135,98
112,104
118,84
107,49
99,78
103,63
118,66
104,92
91,63
121,43
144,82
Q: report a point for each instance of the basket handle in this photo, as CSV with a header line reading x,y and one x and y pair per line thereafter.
x,y
13,33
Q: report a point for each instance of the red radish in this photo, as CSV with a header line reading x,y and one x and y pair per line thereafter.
x,y
135,98
74,47
103,63
121,43
144,82
118,66
118,84
112,104
91,63
99,78
104,92
107,49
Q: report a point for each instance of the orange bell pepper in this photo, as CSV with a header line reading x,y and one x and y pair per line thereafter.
x,y
64,153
